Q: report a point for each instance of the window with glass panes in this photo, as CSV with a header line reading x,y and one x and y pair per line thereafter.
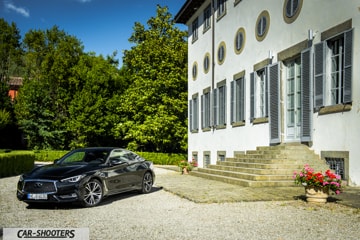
x,y
207,17
238,100
205,110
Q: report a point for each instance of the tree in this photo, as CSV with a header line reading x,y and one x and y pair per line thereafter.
x,y
42,104
10,59
91,117
154,106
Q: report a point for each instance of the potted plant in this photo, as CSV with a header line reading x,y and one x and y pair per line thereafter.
x,y
185,166
317,185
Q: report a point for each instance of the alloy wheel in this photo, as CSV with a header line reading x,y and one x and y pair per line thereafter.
x,y
92,194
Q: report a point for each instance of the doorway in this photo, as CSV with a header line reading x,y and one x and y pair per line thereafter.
x,y
293,101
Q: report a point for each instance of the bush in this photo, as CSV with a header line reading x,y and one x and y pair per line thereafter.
x,y
15,163
48,155
163,158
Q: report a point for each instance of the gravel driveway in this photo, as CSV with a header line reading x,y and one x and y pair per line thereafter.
x,y
162,215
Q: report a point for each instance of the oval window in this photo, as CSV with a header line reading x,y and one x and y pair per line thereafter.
x,y
291,10
262,25
194,71
221,53
206,62
239,41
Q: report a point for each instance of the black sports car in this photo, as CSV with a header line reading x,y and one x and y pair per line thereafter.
x,y
86,176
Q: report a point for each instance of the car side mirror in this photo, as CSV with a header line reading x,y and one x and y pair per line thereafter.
x,y
56,161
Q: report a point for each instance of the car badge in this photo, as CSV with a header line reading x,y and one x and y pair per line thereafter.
x,y
38,185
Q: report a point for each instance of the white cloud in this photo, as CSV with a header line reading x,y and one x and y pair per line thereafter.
x,y
19,10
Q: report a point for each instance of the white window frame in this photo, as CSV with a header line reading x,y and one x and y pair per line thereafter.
x,y
221,8
206,111
207,18
237,100
259,94
219,105
194,28
326,94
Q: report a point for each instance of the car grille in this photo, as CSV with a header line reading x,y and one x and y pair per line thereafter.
x,y
39,186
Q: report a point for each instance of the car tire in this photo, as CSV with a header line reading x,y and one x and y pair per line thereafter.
x,y
91,193
147,183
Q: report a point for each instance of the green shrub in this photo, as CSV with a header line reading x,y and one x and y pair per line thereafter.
x,y
163,158
48,155
16,162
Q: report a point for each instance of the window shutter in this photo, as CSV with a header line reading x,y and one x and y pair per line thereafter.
x,y
252,96
196,113
242,99
232,103
348,66
191,116
306,94
225,104
215,114
319,68
274,105
202,112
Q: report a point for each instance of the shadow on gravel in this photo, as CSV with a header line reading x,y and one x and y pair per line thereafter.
x,y
329,200
105,201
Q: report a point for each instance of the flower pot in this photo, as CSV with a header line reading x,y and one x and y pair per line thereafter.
x,y
316,194
185,171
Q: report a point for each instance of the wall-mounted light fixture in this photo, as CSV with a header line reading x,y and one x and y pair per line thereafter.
x,y
311,34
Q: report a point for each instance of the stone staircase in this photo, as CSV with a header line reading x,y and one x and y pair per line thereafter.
x,y
264,167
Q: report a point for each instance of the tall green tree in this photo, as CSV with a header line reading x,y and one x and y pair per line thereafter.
x,y
91,117
10,59
10,65
42,104
154,106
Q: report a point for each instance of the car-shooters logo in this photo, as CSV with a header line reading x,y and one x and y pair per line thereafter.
x,y
46,233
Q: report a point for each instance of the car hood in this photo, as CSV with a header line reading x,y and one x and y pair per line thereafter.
x,y
57,171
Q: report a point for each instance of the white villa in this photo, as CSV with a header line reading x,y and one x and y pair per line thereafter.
x,y
272,72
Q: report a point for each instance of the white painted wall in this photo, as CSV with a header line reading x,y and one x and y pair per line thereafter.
x,y
332,132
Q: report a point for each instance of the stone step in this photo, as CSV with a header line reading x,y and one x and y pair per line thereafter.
x,y
270,169
266,160
293,156
243,182
265,166
248,176
270,164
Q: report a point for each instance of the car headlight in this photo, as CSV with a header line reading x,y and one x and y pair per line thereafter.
x,y
72,179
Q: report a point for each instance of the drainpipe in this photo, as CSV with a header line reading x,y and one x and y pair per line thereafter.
x,y
212,60
213,45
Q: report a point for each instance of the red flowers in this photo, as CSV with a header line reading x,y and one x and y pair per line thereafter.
x,y
307,177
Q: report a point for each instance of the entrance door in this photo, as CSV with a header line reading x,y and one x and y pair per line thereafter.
x,y
293,101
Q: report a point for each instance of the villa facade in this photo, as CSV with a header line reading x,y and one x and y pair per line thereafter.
x,y
264,73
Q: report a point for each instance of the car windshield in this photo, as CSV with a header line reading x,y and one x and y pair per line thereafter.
x,y
92,156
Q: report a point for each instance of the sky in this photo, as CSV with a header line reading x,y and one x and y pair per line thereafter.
x,y
103,26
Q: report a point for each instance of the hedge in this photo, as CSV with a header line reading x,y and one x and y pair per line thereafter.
x,y
156,158
15,163
48,155
163,158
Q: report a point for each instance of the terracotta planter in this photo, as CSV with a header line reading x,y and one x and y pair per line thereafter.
x,y
185,171
316,194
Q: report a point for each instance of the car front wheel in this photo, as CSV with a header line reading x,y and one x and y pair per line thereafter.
x,y
147,183
91,193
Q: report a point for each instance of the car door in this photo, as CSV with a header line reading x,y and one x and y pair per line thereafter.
x,y
117,176
134,173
